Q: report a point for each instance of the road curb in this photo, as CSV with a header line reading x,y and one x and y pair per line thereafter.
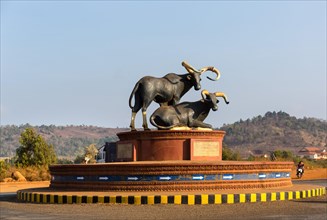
x,y
177,199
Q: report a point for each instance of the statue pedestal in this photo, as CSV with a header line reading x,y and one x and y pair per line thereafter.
x,y
163,145
179,160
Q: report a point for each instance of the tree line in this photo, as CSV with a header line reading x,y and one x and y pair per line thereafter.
x,y
34,155
68,141
276,130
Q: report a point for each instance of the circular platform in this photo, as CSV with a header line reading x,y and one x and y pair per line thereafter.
x,y
171,176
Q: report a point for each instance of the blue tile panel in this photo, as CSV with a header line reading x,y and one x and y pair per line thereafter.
x,y
165,178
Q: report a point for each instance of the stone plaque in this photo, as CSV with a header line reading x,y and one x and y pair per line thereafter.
x,y
205,148
125,151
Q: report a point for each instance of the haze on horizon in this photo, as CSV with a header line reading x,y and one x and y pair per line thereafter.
x,y
76,62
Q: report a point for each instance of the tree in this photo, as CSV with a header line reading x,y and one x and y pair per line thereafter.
x,y
283,154
64,161
287,154
4,167
89,156
34,151
79,159
228,154
91,153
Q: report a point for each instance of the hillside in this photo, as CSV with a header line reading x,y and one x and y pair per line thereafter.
x,y
266,133
275,131
68,141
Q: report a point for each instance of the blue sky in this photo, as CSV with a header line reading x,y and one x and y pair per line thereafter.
x,y
76,62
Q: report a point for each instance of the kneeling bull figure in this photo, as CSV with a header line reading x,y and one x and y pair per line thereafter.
x,y
190,114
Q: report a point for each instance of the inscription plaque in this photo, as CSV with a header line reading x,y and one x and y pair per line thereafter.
x,y
205,148
125,151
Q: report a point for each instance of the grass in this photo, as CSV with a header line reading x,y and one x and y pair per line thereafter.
x,y
31,173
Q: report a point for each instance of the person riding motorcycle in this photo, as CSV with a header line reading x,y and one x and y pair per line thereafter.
x,y
300,169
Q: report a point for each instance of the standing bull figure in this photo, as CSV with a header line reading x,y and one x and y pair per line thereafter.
x,y
167,90
190,114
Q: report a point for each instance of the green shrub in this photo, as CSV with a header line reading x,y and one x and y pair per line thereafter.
x,y
3,170
228,154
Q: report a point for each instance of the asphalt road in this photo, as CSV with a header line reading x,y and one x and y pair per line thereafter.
x,y
322,182
310,208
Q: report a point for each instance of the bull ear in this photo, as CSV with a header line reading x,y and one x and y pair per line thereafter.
x,y
189,77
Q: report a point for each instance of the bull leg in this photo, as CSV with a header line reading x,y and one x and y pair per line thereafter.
x,y
145,123
174,101
132,125
197,123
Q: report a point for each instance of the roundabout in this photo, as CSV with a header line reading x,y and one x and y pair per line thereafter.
x,y
179,163
46,195
150,174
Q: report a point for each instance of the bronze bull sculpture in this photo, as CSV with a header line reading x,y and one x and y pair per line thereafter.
x,y
167,90
189,114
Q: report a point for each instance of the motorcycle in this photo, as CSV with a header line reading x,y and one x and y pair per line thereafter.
x,y
299,173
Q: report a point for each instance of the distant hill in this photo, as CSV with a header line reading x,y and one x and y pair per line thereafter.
x,y
68,141
274,131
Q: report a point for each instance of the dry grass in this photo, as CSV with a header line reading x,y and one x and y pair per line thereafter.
x,y
30,173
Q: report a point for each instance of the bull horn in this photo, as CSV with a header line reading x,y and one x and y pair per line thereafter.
x,y
221,94
212,69
189,68
204,92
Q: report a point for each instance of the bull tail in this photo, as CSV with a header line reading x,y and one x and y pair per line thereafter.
x,y
133,93
159,126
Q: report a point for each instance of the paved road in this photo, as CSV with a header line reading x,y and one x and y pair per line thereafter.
x,y
322,182
310,208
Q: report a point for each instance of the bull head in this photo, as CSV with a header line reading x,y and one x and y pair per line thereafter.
x,y
212,97
191,69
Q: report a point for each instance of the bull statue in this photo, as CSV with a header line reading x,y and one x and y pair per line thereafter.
x,y
187,114
167,90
